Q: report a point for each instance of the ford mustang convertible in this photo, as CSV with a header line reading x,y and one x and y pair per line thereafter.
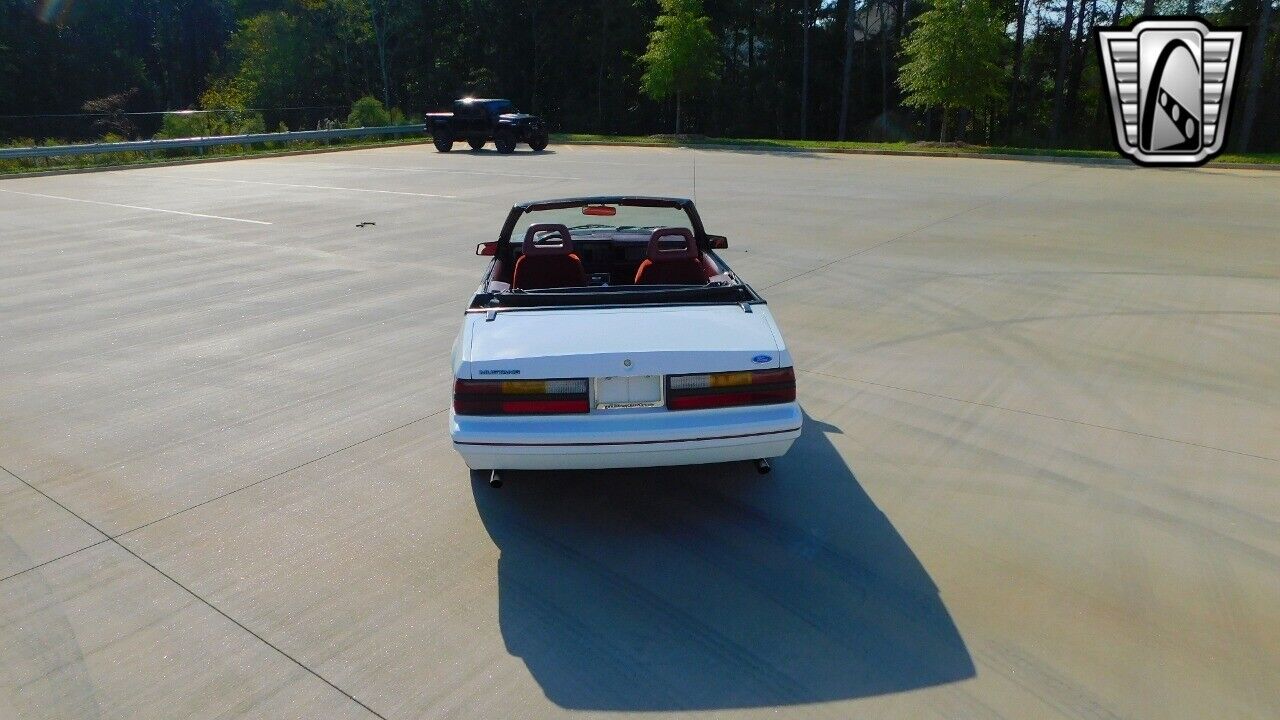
x,y
607,333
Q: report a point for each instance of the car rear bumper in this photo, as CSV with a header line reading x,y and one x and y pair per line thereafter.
x,y
617,440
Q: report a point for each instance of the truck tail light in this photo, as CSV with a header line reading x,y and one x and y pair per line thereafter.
x,y
732,389
520,397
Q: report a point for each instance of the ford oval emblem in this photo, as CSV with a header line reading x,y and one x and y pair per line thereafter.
x,y
761,359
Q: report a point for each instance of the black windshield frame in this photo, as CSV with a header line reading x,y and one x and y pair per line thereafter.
x,y
723,293
683,204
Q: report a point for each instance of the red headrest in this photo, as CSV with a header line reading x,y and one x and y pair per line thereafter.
x,y
660,251
561,242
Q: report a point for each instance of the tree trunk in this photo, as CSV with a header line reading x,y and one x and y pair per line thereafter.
x,y
677,112
604,42
884,74
942,137
533,60
1059,83
751,55
1077,63
380,36
1148,7
804,76
1193,8
1256,58
1100,110
1019,42
783,49
848,70
860,93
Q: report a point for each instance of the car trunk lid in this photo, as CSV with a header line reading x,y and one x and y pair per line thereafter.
x,y
613,342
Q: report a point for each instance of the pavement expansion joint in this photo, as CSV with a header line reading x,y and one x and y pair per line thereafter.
x,y
115,541
278,474
1046,416
913,231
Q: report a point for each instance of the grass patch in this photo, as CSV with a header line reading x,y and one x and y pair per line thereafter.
x,y
885,147
237,151
132,159
1263,158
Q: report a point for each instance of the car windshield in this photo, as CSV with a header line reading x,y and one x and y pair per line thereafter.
x,y
605,218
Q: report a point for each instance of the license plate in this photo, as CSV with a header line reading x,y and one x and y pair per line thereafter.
x,y
619,393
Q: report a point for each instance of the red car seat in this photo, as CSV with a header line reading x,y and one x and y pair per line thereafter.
x,y
674,259
550,262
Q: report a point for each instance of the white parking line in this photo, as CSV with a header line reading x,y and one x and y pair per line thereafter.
x,y
610,162
136,207
345,166
321,187
467,172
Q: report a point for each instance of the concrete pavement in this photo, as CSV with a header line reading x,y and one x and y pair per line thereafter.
x,y
1040,475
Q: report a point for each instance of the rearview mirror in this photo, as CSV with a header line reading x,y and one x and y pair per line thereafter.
x,y
718,242
487,249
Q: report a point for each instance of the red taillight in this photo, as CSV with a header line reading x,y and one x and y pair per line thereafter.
x,y
520,397
734,389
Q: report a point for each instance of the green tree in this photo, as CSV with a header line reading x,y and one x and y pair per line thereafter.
x,y
953,58
368,111
271,54
681,56
224,113
259,62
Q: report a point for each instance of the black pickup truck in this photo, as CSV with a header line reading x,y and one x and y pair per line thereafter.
x,y
478,120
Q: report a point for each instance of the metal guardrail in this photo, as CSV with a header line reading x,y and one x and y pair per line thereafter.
x,y
203,142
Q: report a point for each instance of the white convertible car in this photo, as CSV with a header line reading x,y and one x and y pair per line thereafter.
x,y
607,333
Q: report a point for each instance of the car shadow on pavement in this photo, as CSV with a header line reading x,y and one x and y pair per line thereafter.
x,y
712,587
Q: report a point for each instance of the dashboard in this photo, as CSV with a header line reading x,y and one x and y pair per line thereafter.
x,y
611,261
